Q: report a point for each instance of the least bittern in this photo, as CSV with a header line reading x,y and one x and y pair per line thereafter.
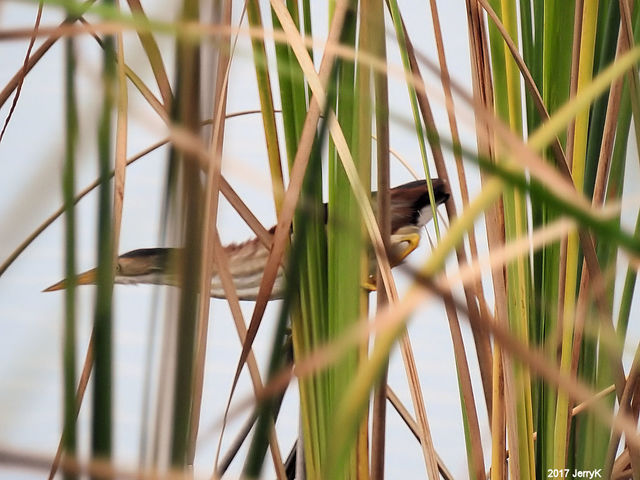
x,y
410,209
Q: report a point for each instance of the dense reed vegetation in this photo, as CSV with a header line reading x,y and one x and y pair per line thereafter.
x,y
537,261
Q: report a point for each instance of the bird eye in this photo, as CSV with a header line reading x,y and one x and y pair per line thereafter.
x,y
118,268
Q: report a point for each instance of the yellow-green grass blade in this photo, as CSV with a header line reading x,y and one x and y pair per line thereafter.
x,y
304,323
305,297
291,82
154,55
530,22
345,242
266,105
585,69
507,97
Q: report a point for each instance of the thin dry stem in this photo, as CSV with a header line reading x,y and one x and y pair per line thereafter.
x,y
415,429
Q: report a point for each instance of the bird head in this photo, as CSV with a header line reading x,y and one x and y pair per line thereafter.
x,y
411,204
145,265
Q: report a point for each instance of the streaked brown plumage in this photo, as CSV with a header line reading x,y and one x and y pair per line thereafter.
x,y
410,210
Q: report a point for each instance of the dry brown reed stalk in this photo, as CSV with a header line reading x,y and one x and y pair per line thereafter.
x,y
415,429
421,428
210,219
482,98
622,467
151,99
55,35
423,432
625,407
95,468
82,387
214,254
579,408
23,72
371,24
483,348
445,80
121,143
155,57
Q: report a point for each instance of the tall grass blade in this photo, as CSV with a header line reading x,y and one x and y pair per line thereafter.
x,y
556,60
507,97
186,112
381,96
102,391
69,355
266,104
294,297
587,45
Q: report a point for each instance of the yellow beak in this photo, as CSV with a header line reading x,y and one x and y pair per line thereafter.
x,y
86,278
